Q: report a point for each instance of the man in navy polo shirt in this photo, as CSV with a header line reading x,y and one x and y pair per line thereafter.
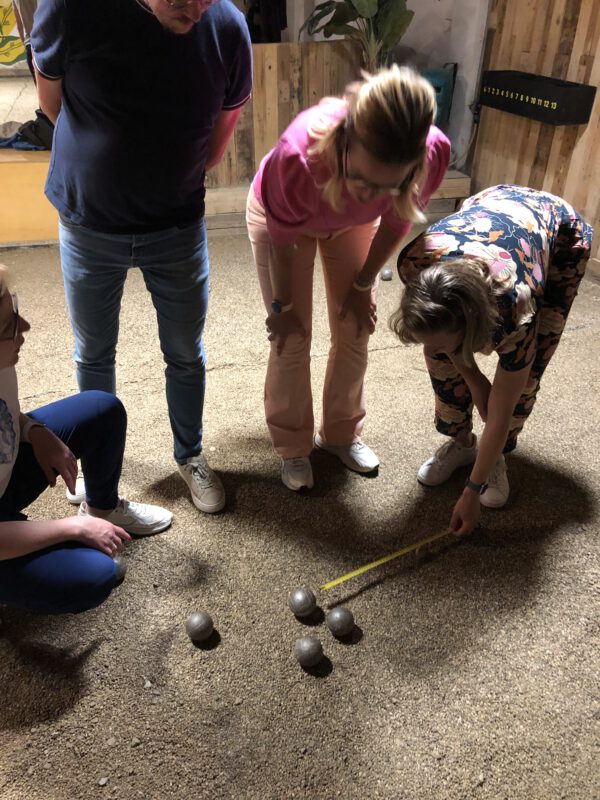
x,y
145,95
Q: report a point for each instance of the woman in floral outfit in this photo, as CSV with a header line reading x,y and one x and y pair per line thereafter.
x,y
499,275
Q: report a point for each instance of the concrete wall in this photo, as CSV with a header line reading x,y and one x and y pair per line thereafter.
x,y
441,31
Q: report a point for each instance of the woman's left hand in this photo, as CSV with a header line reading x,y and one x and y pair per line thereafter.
x,y
465,515
362,307
53,456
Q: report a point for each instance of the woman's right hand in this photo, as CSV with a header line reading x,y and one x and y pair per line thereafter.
x,y
280,326
97,532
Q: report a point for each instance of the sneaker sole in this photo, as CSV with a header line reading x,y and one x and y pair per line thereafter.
x,y
493,505
212,509
304,488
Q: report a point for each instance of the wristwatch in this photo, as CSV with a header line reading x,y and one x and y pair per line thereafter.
x,y
278,308
476,487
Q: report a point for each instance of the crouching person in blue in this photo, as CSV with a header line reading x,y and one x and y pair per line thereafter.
x,y
64,565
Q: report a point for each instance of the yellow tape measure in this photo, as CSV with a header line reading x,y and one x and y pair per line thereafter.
x,y
396,554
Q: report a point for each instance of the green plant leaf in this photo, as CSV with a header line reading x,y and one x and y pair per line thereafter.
x,y
366,8
320,12
392,22
339,29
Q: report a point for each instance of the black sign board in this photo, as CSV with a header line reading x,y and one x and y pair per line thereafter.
x,y
538,97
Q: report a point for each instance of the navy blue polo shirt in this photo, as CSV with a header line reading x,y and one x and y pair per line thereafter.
x,y
138,108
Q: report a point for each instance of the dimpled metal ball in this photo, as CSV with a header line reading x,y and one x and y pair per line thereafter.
x,y
386,274
120,568
199,626
340,621
308,651
302,601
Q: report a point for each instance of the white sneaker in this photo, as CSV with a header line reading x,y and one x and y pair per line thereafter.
x,y
296,473
78,496
140,519
356,456
208,493
496,494
446,459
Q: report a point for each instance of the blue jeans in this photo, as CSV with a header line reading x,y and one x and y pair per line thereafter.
x,y
175,267
68,577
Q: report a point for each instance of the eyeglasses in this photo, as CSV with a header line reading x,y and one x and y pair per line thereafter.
x,y
361,183
14,321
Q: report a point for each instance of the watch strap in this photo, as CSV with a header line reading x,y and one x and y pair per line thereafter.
x,y
479,488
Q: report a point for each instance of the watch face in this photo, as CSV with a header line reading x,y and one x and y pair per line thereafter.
x,y
276,306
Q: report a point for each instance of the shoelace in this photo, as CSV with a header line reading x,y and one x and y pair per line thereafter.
x,y
200,473
442,451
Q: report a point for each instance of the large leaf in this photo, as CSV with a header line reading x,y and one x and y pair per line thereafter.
x,y
366,8
320,12
339,29
392,22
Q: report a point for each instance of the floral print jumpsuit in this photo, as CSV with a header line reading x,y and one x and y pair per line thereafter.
x,y
539,246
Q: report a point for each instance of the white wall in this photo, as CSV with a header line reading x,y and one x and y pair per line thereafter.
x,y
441,31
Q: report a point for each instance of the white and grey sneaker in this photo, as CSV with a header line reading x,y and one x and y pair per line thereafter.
x,y
208,493
140,519
78,496
496,494
296,473
446,459
356,456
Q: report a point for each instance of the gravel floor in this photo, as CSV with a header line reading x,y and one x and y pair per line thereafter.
x,y
473,672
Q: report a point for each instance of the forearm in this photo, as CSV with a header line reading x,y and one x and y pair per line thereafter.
x,y
281,263
384,244
490,448
49,95
23,537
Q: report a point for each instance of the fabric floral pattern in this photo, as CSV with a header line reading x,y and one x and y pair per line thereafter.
x,y
536,246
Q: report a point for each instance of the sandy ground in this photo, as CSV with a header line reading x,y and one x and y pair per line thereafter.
x,y
473,672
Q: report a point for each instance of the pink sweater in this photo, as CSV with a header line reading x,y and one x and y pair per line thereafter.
x,y
287,183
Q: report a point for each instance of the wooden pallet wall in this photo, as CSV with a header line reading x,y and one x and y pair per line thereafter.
x,y
561,39
288,78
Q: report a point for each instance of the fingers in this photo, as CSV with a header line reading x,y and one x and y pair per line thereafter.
x,y
50,475
122,534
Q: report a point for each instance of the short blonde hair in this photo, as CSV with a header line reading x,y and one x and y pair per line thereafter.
x,y
389,114
453,296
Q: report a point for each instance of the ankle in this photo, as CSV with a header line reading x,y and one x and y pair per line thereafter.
x,y
465,439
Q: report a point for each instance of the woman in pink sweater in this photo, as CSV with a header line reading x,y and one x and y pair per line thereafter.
x,y
349,176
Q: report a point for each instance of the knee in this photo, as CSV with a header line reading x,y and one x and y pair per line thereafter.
x,y
90,586
107,409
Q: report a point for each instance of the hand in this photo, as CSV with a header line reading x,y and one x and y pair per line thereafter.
x,y
361,305
465,515
53,456
280,326
99,533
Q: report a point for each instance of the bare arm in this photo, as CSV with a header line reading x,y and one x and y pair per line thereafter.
x,y
362,304
22,537
384,243
220,136
49,95
505,392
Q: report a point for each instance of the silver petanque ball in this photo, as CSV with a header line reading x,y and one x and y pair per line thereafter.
x,y
120,568
386,274
302,601
199,626
308,651
340,621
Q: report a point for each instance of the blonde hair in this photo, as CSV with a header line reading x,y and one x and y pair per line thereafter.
x,y
389,114
452,296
